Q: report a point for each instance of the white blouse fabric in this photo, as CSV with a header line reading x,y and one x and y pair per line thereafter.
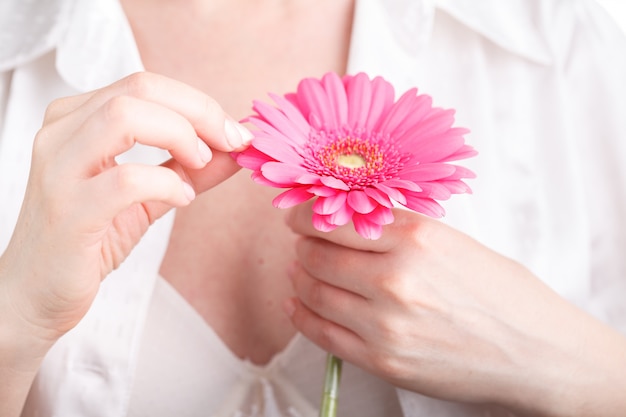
x,y
211,380
540,83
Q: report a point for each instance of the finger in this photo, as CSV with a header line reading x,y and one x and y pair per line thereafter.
x,y
205,114
330,336
120,187
300,221
408,226
329,302
61,107
350,269
124,121
221,167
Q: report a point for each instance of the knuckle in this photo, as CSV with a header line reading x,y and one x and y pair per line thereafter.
x,y
55,109
126,180
416,229
212,107
326,336
316,295
119,109
140,84
390,330
420,233
212,113
41,143
395,288
388,365
314,256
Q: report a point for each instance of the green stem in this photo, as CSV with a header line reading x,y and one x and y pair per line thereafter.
x,y
331,386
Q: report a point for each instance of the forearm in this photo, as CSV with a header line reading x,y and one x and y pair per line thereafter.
x,y
581,372
22,349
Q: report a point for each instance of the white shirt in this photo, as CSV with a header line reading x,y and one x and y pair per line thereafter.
x,y
540,83
186,370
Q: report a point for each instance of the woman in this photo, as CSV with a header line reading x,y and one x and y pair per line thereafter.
x,y
203,317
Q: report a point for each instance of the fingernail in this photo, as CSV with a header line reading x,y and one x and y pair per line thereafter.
x,y
189,191
204,151
236,134
289,306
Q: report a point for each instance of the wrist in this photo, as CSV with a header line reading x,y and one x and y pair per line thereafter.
x,y
23,343
580,370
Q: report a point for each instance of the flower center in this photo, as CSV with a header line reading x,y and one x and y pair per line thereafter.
x,y
351,161
359,159
352,155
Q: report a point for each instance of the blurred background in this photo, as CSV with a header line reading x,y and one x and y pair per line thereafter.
x,y
617,8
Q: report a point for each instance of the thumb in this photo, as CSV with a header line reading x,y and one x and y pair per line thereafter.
x,y
221,167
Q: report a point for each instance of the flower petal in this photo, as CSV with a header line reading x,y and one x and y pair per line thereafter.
x,y
260,179
269,130
381,215
341,216
455,186
337,98
251,158
463,152
437,120
437,149
277,150
366,228
320,223
280,122
393,193
359,93
322,191
282,173
291,197
335,183
293,113
383,94
426,206
427,172
412,138
399,112
461,172
360,202
402,183
435,190
380,197
314,102
329,205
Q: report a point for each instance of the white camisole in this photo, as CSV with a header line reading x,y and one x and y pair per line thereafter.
x,y
184,369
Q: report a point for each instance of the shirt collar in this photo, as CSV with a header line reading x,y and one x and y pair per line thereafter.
x,y
95,44
515,25
98,47
93,41
391,34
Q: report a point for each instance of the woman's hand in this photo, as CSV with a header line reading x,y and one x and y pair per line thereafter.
x,y
83,212
433,311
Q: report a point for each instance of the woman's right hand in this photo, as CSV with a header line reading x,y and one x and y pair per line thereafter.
x,y
83,212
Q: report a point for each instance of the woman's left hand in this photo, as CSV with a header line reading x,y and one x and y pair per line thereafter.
x,y
431,310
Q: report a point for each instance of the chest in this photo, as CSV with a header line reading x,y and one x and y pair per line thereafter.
x,y
229,251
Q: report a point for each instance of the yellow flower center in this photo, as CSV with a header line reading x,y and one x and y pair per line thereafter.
x,y
351,161
352,156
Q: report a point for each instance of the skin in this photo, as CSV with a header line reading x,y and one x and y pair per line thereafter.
x,y
425,307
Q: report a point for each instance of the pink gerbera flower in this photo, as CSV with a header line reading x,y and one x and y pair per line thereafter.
x,y
346,142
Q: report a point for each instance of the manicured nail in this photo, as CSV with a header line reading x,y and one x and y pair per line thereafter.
x,y
236,134
189,191
204,151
